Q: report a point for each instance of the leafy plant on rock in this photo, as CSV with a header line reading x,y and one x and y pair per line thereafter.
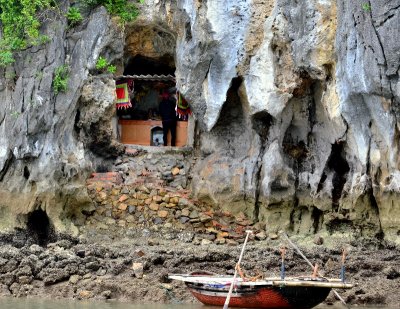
x,y
102,65
74,16
20,21
20,26
366,7
60,80
124,9
111,69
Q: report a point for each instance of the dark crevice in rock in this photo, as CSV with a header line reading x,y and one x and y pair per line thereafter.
x,y
380,234
39,227
321,182
338,164
317,217
6,165
77,128
261,123
188,32
26,173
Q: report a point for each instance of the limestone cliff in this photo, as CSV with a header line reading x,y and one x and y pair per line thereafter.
x,y
297,105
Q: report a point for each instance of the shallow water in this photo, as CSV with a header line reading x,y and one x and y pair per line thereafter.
x,y
28,303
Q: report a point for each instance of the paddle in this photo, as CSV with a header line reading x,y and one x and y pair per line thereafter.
x,y
228,298
309,263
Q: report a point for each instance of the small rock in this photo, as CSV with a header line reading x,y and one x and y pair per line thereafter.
x,y
131,209
125,190
205,242
167,286
231,242
138,270
261,236
35,249
273,236
144,189
122,223
220,241
157,199
85,294
183,219
318,240
154,206
74,279
101,272
162,213
193,215
157,220
103,195
122,207
391,273
174,200
25,279
123,198
175,171
106,294
140,253
110,221
130,219
204,218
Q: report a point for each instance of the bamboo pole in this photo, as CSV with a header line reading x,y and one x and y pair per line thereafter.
x,y
309,263
228,298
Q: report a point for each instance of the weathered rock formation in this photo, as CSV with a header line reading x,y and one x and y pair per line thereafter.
x,y
297,105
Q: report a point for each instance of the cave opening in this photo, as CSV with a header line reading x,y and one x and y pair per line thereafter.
x,y
338,164
142,65
39,228
147,94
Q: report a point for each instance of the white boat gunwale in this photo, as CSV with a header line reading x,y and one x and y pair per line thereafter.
x,y
273,281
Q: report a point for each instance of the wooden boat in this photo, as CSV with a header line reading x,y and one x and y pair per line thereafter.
x,y
291,292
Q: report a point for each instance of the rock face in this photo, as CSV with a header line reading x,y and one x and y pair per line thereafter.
x,y
297,106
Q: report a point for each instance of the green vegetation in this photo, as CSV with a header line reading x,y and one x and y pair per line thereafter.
x,y
21,21
121,8
20,26
112,69
366,7
15,114
74,16
102,64
61,77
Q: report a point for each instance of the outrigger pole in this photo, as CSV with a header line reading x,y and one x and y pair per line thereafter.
x,y
309,263
228,298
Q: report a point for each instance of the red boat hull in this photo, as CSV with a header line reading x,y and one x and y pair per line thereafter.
x,y
262,296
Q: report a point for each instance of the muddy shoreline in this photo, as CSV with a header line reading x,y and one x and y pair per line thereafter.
x,y
99,266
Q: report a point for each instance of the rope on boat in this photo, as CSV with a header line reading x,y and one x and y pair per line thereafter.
x,y
309,263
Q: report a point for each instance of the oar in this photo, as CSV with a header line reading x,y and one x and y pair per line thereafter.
x,y
228,298
309,263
